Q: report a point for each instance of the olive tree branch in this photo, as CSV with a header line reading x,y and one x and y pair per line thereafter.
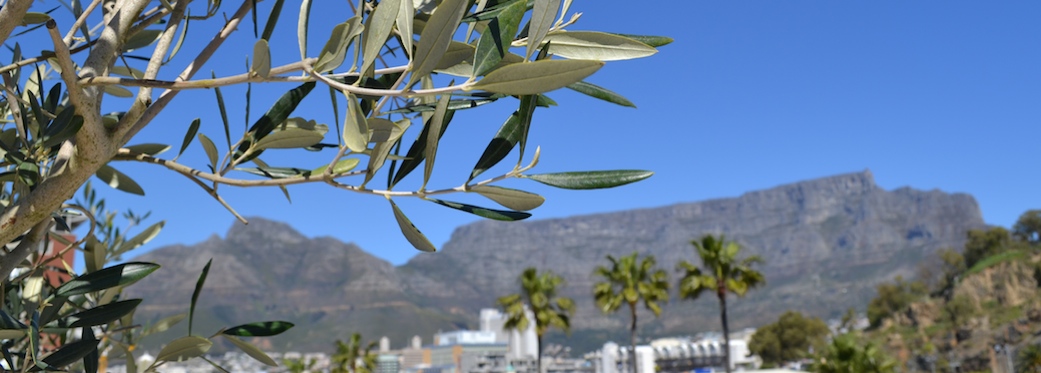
x,y
94,145
11,15
164,99
68,68
12,105
24,248
149,18
127,155
225,81
380,92
423,193
79,22
144,95
43,56
197,176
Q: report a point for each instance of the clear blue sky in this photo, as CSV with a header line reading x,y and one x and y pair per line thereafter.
x,y
928,94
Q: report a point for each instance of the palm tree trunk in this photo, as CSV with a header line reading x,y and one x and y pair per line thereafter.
x,y
538,356
632,337
726,329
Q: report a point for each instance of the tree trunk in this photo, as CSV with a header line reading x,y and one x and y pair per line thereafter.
x,y
632,337
538,355
726,329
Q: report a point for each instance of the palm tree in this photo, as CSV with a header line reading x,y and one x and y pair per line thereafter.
x,y
630,281
345,360
539,297
721,271
846,354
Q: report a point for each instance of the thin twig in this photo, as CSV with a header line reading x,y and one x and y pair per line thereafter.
x,y
126,155
80,241
144,95
382,92
20,252
42,57
68,68
188,72
12,105
79,22
150,19
213,193
221,82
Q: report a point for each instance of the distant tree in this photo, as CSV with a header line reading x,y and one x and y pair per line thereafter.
x,y
845,355
892,298
984,243
941,273
631,281
953,266
959,309
347,355
848,321
1028,360
539,296
789,338
1028,227
298,365
721,272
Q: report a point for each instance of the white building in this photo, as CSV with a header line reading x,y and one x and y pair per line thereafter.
x,y
673,355
520,344
465,337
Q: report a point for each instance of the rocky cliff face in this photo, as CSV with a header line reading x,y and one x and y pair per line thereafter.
x,y
268,271
826,243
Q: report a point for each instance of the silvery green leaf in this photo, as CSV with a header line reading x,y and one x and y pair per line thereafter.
x,y
501,215
251,350
184,348
430,152
436,36
510,198
542,17
210,148
355,126
301,27
601,46
290,138
406,13
118,180
380,24
411,233
602,93
496,38
261,59
536,77
590,179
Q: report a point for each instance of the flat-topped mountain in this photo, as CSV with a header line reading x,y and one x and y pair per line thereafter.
x,y
826,243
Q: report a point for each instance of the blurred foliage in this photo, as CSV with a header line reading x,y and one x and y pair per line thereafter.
x,y
789,339
847,354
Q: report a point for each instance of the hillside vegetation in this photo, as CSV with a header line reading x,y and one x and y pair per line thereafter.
x,y
967,309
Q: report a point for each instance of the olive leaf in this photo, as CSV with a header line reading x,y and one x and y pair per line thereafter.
x,y
510,198
590,179
536,77
411,233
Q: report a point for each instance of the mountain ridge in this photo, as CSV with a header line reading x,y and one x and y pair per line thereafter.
x,y
826,243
